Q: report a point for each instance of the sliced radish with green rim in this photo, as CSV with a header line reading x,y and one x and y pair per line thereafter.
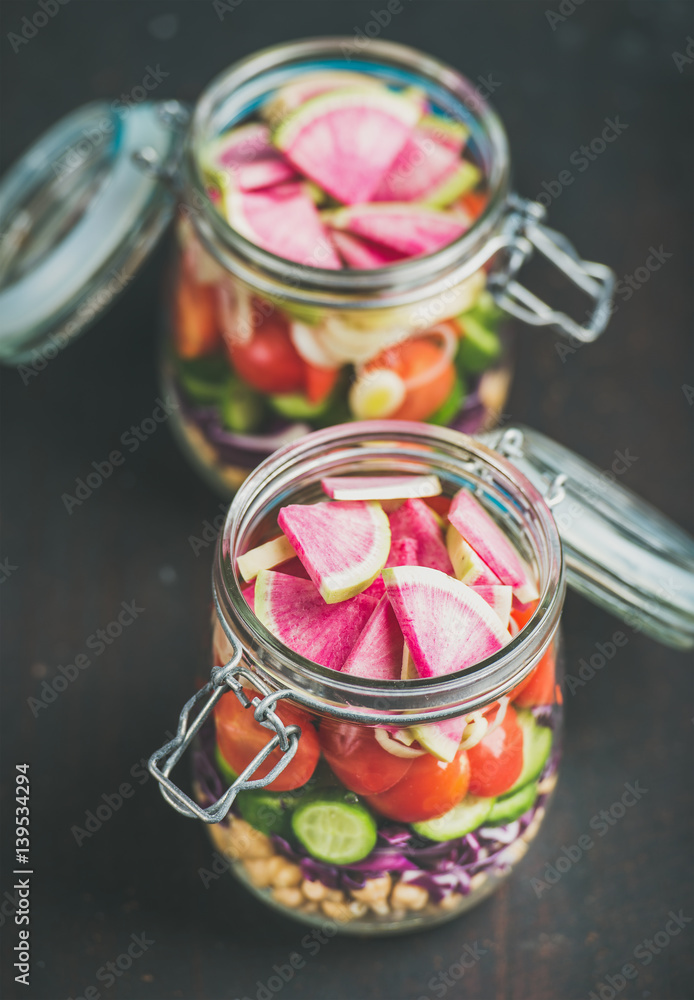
x,y
345,140
343,545
446,625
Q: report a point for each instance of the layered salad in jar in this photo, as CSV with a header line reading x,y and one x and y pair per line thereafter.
x,y
385,827
338,171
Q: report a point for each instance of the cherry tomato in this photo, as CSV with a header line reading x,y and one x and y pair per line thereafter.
x,y
196,327
240,738
496,762
320,382
358,760
539,687
474,204
430,788
269,362
522,616
439,504
412,359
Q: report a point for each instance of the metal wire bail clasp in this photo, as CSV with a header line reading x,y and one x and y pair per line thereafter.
x,y
526,234
223,679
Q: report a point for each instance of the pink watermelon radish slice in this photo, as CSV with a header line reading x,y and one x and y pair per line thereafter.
x,y
284,221
363,255
246,157
377,653
467,565
421,166
409,229
445,131
377,589
343,545
414,519
498,598
292,95
490,543
346,139
266,556
249,594
380,487
296,614
446,625
403,552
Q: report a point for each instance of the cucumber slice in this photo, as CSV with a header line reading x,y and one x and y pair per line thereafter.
x,y
510,807
294,406
241,408
479,347
205,380
537,745
334,829
486,311
227,772
461,819
268,812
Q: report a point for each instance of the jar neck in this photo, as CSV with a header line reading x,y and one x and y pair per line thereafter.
x,y
237,92
293,475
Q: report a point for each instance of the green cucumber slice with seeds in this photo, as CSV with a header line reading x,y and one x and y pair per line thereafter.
x,y
479,347
204,380
461,819
510,807
335,828
268,812
537,746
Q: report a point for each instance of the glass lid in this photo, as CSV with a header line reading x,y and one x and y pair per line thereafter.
x,y
79,211
619,551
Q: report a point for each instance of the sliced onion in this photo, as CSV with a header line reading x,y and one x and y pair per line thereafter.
x,y
448,349
475,731
386,741
235,312
309,344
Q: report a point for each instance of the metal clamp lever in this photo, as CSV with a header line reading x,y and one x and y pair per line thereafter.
x,y
527,234
162,761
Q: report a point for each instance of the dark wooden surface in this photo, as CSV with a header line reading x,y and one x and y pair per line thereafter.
x,y
129,541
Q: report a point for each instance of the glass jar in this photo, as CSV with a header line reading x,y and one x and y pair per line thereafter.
x,y
416,872
83,207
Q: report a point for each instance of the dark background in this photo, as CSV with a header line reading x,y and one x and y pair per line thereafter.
x,y
633,721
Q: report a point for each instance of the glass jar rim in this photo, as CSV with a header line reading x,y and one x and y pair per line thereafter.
x,y
403,281
324,689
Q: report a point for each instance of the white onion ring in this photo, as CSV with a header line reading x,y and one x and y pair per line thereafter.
x,y
385,740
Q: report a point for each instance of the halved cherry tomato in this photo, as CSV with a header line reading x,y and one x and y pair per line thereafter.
x,y
522,615
430,788
320,382
196,327
240,738
474,203
269,362
358,760
539,687
411,359
496,762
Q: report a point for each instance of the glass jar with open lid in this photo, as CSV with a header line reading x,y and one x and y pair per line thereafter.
x,y
280,317
355,809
